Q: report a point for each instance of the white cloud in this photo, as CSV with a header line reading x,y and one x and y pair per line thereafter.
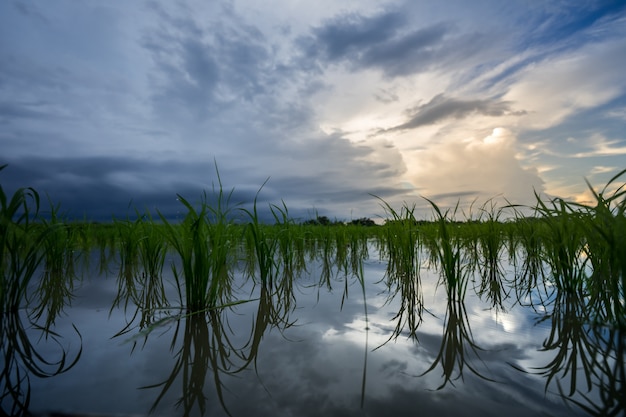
x,y
601,146
482,168
558,87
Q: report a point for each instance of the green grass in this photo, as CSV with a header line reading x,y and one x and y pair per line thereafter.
x,y
23,246
402,249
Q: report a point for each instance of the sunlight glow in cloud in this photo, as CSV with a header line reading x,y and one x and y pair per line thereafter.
x,y
476,168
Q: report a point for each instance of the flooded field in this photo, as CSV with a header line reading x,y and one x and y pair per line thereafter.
x,y
325,347
208,316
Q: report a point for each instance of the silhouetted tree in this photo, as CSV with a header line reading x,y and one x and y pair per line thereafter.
x,y
363,221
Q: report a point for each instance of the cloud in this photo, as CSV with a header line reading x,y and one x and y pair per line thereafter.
x,y
574,23
346,36
450,170
217,64
441,108
558,87
326,173
601,146
390,43
299,93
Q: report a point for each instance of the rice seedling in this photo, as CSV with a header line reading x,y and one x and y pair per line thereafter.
x,y
403,269
530,274
290,259
128,252
490,242
581,246
152,251
264,248
204,244
563,245
458,348
97,243
276,299
448,253
55,288
21,242
325,242
145,287
21,254
604,225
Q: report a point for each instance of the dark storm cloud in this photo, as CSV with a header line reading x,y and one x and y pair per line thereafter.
x,y
442,108
18,74
99,188
344,37
409,53
390,43
206,66
36,110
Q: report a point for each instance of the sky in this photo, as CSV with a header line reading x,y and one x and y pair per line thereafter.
x,y
108,108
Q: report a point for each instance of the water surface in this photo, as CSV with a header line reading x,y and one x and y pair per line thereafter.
x,y
324,347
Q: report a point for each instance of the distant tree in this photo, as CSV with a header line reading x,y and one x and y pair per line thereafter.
x,y
322,221
363,221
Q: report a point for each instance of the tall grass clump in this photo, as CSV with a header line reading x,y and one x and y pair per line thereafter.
x,y
457,344
152,252
203,242
528,260
403,268
21,241
55,287
128,237
583,246
290,241
140,278
563,244
604,225
263,246
21,254
276,296
490,238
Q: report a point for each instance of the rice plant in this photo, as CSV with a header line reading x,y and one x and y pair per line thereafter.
x,y
21,254
128,253
528,261
152,252
204,244
604,225
54,289
490,238
141,283
403,269
458,348
264,248
582,246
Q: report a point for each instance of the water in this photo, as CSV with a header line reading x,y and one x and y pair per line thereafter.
x,y
331,352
